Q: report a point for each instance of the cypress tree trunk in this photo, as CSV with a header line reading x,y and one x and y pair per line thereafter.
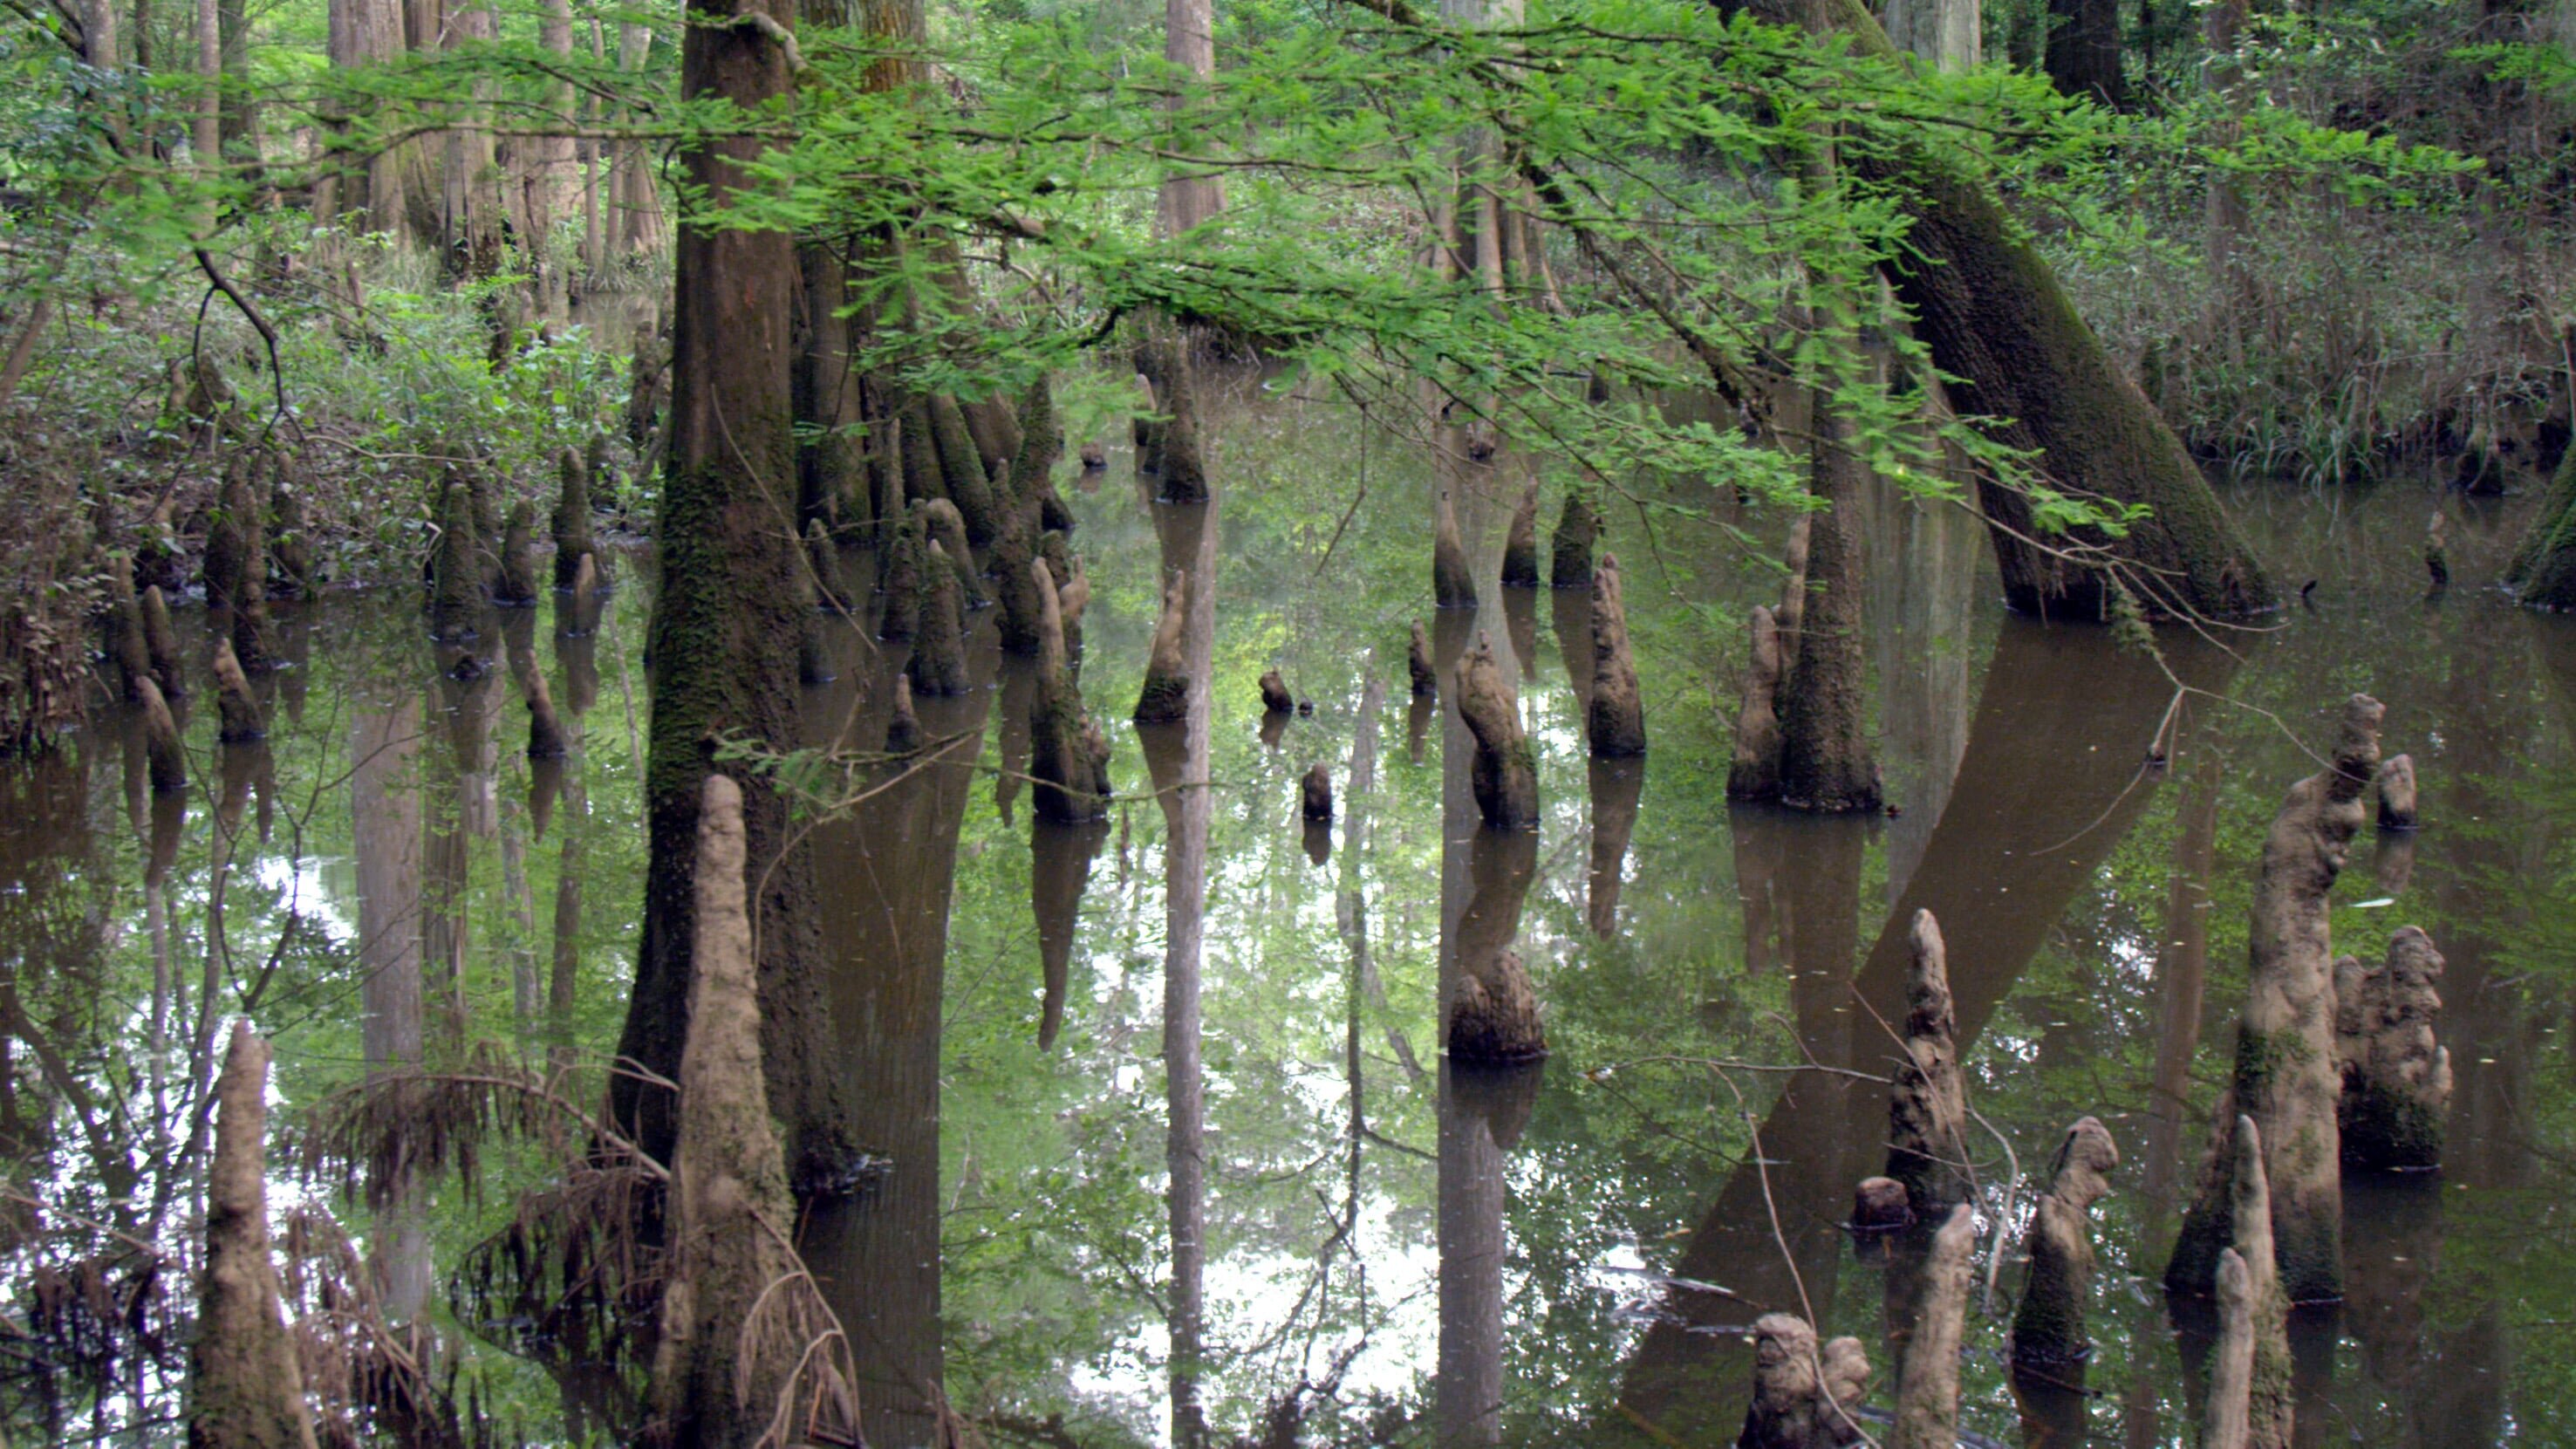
x,y
1825,761
728,622
1993,314
2543,571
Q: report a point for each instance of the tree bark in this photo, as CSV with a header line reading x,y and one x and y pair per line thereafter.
x,y
2083,52
728,623
245,1390
1825,758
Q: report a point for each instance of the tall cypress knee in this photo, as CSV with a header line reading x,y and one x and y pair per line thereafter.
x,y
1520,543
1616,716
1453,576
571,520
1505,773
938,663
1165,699
1755,772
1570,551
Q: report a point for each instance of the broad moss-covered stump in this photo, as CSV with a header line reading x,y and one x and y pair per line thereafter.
x,y
2286,1076
245,1385
1453,574
1803,1395
1755,771
1520,543
1165,699
1616,715
2396,1075
2048,1328
1927,1102
1504,776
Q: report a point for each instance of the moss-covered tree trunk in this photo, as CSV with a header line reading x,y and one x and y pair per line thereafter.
x,y
729,619
2543,572
1994,316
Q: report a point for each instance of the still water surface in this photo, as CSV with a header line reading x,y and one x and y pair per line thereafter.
x,y
1174,1154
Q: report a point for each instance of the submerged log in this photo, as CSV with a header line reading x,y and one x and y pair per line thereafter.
x,y
744,1339
2286,1077
240,717
1616,717
245,1385
1803,1395
571,521
2396,1075
1927,1103
1068,755
2396,785
1505,776
1570,550
2048,1328
1927,1375
518,586
938,662
1755,773
1520,544
1453,576
161,645
1317,792
1417,661
1165,698
1275,698
163,753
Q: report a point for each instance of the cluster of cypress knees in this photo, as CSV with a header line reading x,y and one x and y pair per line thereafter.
x,y
2337,1070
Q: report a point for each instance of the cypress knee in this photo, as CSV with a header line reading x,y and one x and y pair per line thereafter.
x,y
245,1385
165,756
1927,1376
232,535
1068,755
1013,589
1755,773
455,568
1617,715
943,525
161,645
2269,1408
2437,552
2396,1074
518,586
2048,1329
1033,465
239,711
571,521
1074,600
906,560
938,662
919,453
1275,698
1317,790
1803,1396
1570,552
2396,784
903,727
1505,774
2285,1077
1417,662
961,469
1927,1104
545,727
1520,543
1165,699
823,561
2231,1364
121,627
1453,578
290,550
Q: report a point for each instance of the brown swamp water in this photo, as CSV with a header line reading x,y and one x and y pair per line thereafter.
x,y
1174,1155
